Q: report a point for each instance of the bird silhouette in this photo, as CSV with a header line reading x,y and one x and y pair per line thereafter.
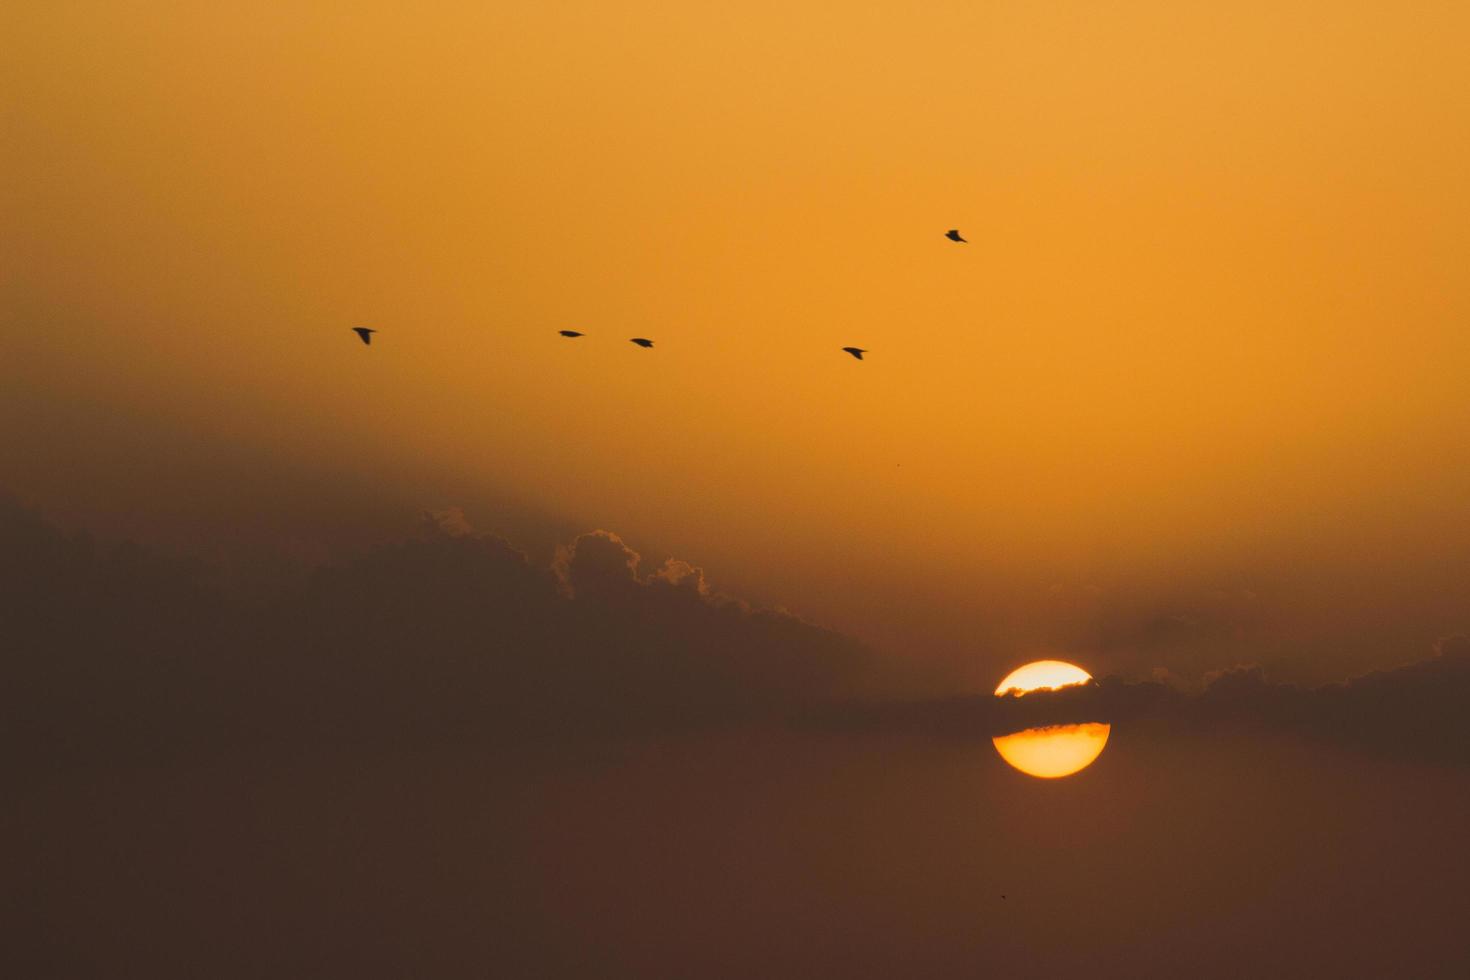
x,y
366,333
954,235
642,341
857,352
570,333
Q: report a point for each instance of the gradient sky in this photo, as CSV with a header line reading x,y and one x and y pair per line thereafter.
x,y
1193,394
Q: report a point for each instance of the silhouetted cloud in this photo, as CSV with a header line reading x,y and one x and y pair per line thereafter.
x,y
1414,711
450,631
679,574
597,563
1242,679
456,632
450,522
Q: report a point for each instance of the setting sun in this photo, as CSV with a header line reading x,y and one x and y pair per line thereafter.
x,y
1054,750
541,489
1043,675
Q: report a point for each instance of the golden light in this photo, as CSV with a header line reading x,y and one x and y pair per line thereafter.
x,y
1043,675
1055,750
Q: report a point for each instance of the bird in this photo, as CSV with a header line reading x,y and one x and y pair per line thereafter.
x,y
365,333
570,333
642,341
954,235
857,352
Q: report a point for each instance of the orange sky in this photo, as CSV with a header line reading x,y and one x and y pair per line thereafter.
x,y
1206,348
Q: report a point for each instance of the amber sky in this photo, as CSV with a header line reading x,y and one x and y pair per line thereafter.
x,y
1194,393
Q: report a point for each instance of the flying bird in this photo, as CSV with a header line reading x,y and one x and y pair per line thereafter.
x,y
857,352
570,333
366,333
642,341
954,235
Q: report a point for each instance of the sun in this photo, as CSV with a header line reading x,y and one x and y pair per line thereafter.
x,y
1056,750
1043,675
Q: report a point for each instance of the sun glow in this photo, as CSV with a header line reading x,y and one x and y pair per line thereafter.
x,y
1043,675
1054,750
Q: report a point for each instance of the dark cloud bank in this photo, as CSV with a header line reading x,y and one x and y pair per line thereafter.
x,y
454,634
1414,711
441,759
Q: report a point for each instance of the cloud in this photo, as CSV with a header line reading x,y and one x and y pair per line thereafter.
x,y
1163,675
1415,711
449,522
597,563
1240,680
453,631
600,564
679,574
456,632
